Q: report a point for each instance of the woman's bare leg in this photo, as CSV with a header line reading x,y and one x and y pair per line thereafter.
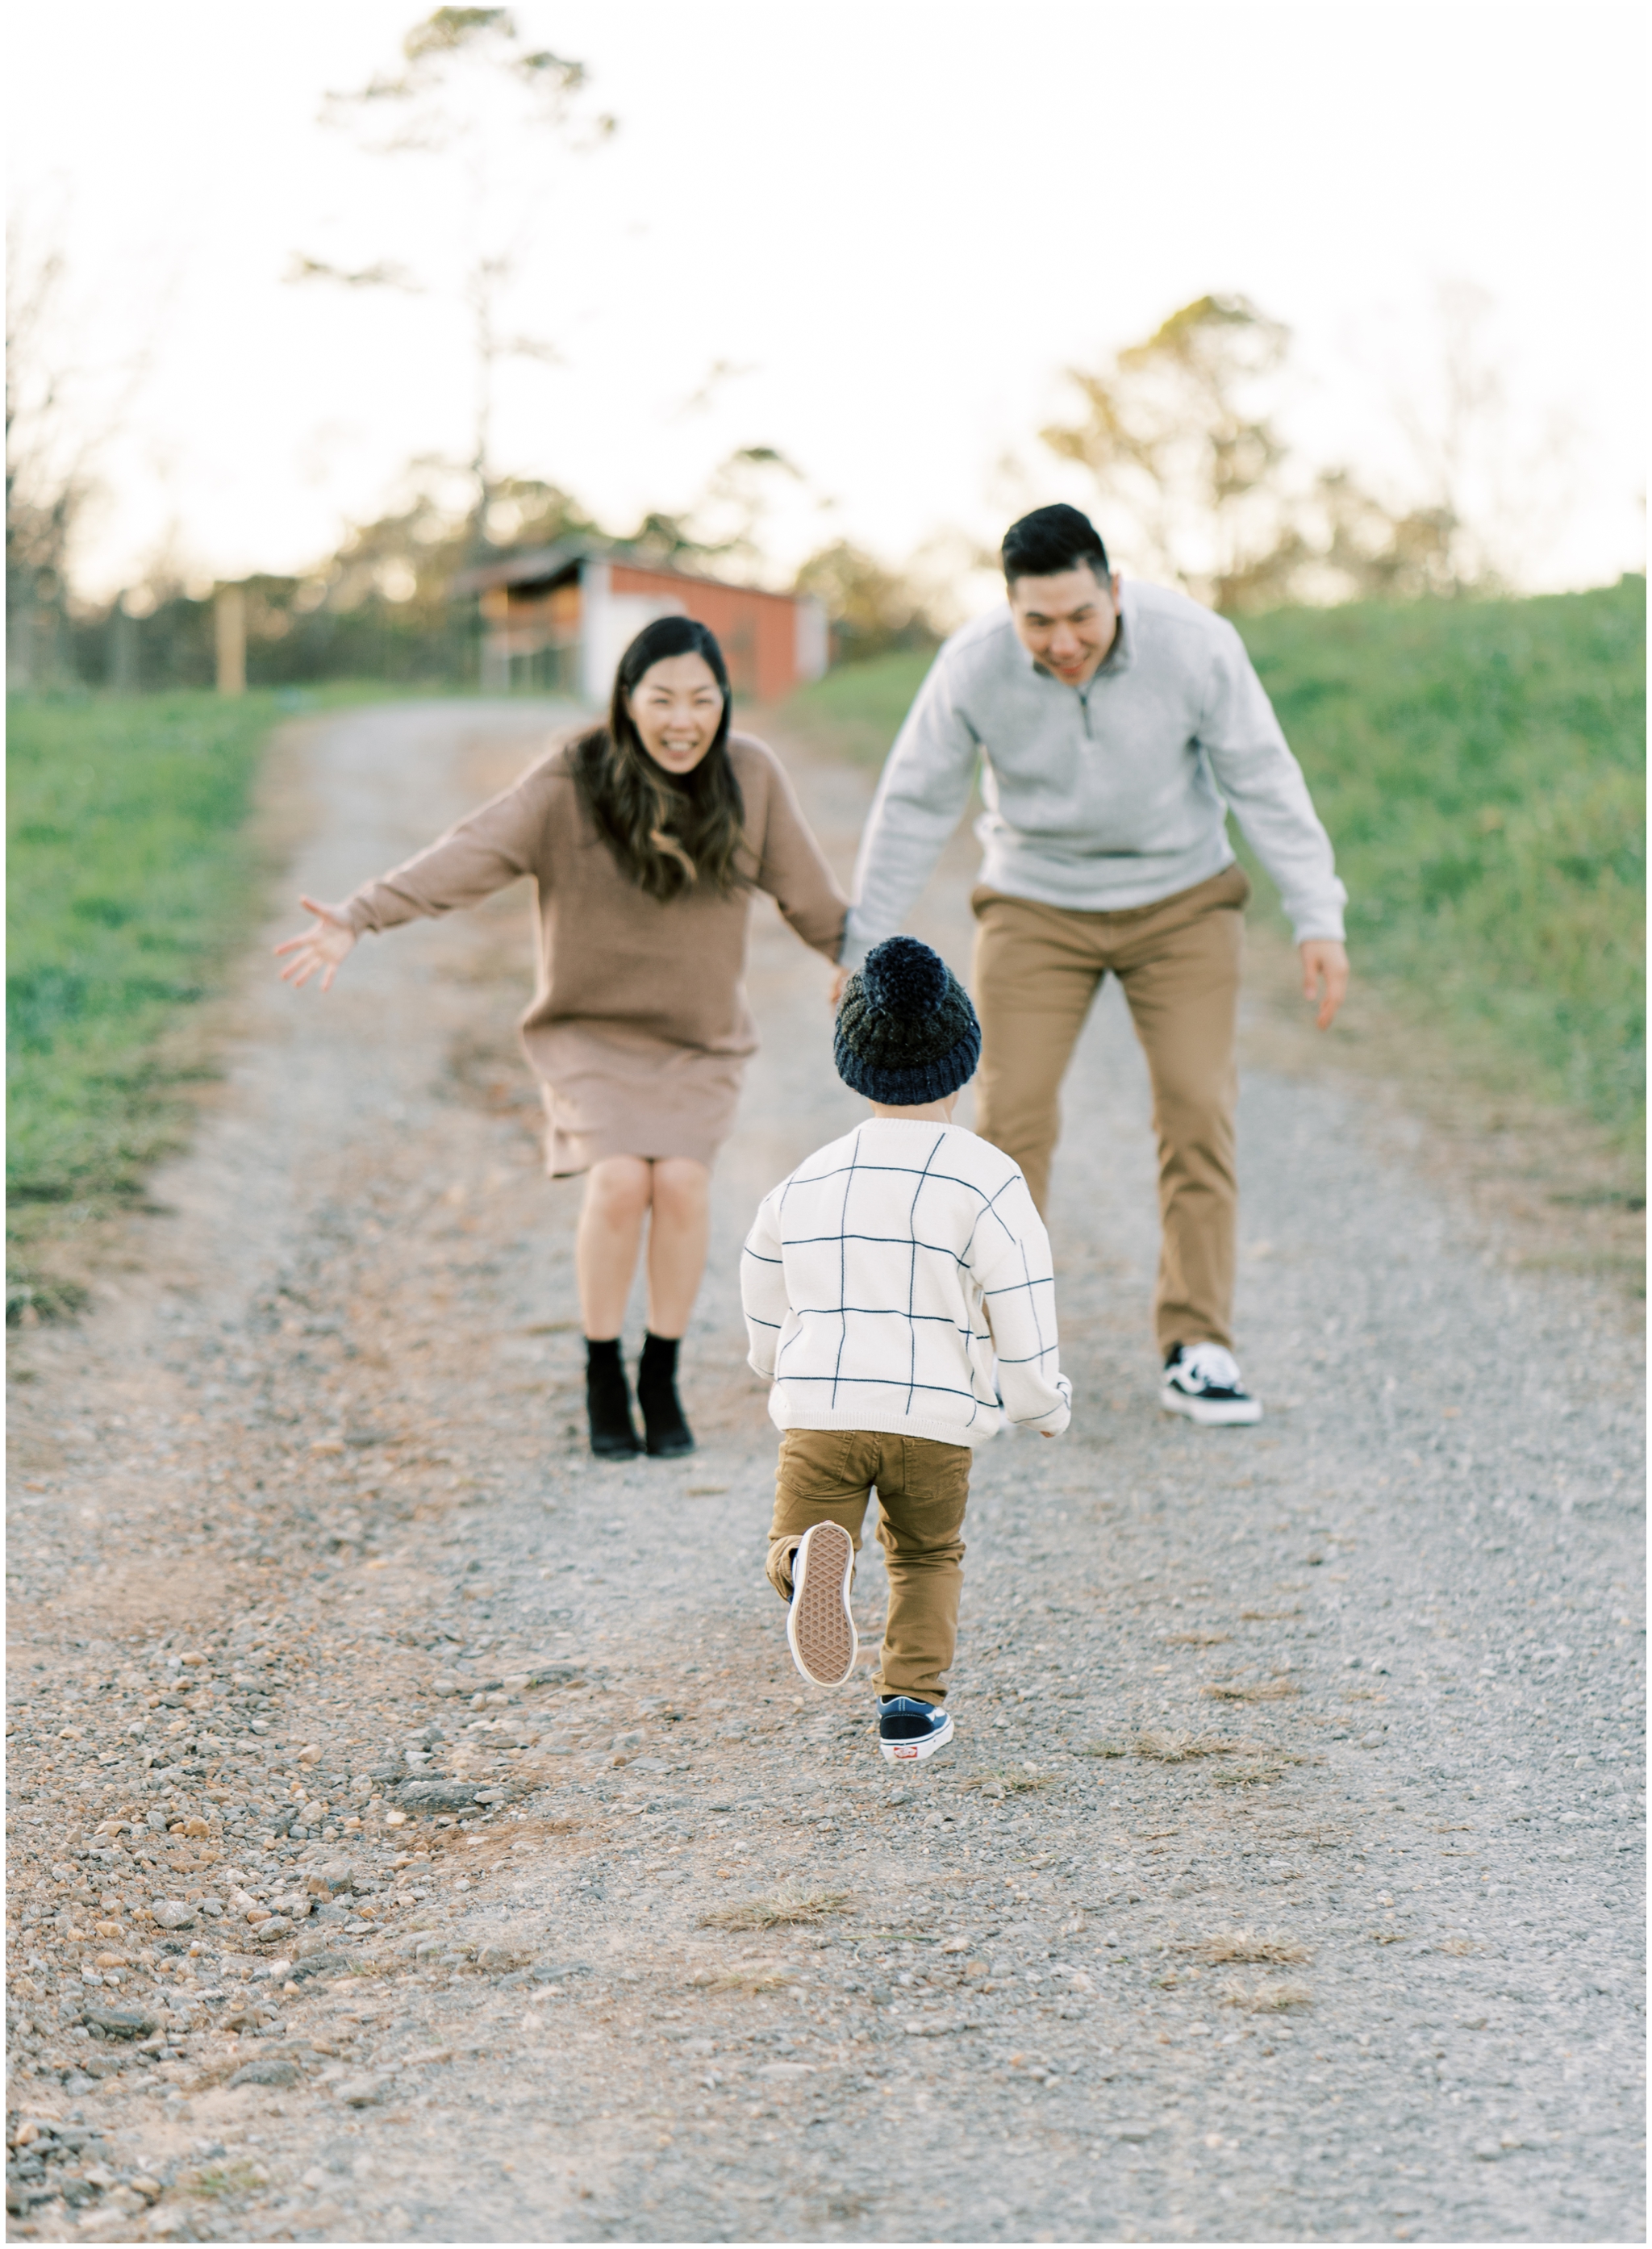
x,y
617,1193
677,1237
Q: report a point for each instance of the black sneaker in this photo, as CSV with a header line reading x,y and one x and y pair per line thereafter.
x,y
909,1728
1202,1381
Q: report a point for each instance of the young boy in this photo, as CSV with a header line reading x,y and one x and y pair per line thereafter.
x,y
899,1293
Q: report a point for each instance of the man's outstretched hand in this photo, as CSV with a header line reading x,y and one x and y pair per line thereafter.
x,y
1324,977
321,948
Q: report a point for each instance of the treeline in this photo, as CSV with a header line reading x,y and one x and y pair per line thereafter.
x,y
383,608
1175,444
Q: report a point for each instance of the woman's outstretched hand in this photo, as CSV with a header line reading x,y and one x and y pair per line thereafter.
x,y
840,977
322,946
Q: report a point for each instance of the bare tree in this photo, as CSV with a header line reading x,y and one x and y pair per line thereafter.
x,y
1498,499
472,93
49,449
1179,435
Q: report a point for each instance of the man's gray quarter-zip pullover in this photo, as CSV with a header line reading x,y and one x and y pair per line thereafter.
x,y
1098,798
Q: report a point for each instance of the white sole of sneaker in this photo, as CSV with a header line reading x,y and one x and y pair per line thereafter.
x,y
912,1752
1211,1413
820,1625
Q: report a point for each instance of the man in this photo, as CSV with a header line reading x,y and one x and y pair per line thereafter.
x,y
1113,726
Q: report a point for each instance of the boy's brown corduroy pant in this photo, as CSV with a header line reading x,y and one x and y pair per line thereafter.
x,y
1037,971
827,1475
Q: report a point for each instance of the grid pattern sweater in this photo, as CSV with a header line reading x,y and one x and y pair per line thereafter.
x,y
900,1280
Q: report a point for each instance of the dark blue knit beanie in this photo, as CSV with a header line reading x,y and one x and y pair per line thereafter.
x,y
906,1032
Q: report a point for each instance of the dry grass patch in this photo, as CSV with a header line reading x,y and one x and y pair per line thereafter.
x,y
1104,1750
1009,1783
1456,1944
1265,1998
753,1983
1178,1748
1251,1776
778,1912
1254,1690
1195,1640
1228,1946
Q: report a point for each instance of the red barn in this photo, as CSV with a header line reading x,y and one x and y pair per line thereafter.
x,y
559,618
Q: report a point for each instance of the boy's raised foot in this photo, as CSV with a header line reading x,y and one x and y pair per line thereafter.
x,y
820,1625
909,1728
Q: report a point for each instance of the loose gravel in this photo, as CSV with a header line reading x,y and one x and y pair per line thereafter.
x,y
418,1830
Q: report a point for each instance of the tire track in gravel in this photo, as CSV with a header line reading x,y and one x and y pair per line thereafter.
x,y
1283,1883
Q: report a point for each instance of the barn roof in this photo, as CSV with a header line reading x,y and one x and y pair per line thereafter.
x,y
541,569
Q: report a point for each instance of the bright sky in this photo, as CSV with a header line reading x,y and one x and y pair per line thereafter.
x,y
895,221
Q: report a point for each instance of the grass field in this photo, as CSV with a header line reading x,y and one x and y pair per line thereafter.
x,y
133,872
1479,765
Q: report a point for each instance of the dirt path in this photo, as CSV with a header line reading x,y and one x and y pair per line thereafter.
x,y
1283,1883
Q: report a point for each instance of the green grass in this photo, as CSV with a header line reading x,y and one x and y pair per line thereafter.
x,y
1479,765
132,872
1480,768
856,712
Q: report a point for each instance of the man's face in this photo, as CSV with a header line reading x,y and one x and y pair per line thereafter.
x,y
1068,621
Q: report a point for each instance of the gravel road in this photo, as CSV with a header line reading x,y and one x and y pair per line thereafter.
x,y
418,1830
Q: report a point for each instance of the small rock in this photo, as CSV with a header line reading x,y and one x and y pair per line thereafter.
x,y
783,2072
360,2092
439,1795
173,1912
273,2072
120,2022
321,1964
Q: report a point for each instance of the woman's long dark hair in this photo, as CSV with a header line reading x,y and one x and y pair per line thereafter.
x,y
668,832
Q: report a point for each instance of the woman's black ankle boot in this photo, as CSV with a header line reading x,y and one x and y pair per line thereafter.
x,y
669,1434
608,1401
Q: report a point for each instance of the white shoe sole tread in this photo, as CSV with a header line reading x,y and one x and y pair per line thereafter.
x,y
820,1625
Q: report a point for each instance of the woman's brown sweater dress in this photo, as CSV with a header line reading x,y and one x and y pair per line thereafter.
x,y
639,1029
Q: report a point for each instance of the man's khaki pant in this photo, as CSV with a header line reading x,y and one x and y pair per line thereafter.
x,y
826,1475
1038,969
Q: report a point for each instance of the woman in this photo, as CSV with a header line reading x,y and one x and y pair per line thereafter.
x,y
646,837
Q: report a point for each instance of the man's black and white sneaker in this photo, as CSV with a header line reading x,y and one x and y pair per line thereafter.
x,y
908,1728
1202,1380
820,1625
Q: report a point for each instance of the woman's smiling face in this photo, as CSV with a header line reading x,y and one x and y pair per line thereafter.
x,y
677,707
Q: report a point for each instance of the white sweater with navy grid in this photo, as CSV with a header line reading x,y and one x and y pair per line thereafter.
x,y
900,1281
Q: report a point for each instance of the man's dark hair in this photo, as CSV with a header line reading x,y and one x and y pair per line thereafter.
x,y
1049,540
